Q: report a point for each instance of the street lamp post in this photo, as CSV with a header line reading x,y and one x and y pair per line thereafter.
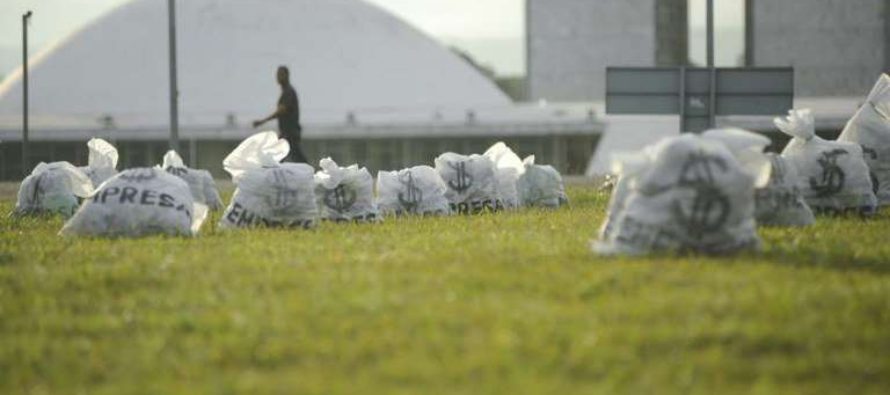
x,y
25,19
712,72
174,93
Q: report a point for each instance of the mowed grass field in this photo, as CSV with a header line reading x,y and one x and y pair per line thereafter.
x,y
506,303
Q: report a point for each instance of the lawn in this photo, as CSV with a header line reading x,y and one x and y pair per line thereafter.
x,y
504,303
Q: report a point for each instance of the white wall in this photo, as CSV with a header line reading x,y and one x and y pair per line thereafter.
x,y
570,43
837,47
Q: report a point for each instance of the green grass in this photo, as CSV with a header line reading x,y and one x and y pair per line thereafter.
x,y
506,303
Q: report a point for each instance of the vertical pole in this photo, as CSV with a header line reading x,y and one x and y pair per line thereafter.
x,y
682,93
712,89
749,33
887,36
25,166
174,92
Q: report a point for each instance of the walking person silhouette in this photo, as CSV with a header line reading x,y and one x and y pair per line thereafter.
x,y
288,115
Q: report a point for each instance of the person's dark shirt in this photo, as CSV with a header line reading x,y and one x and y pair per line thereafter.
x,y
289,122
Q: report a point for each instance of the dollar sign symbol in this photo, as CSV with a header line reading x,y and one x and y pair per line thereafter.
x,y
710,207
340,198
412,195
832,175
283,195
462,181
177,171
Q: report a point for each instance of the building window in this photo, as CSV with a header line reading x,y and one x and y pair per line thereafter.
x,y
729,32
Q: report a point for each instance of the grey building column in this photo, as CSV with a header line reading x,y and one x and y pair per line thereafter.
x,y
750,61
528,50
887,36
671,33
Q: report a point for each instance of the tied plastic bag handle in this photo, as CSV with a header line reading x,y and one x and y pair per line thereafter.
x,y
879,97
78,181
504,158
261,150
528,161
102,154
747,147
172,159
331,174
798,124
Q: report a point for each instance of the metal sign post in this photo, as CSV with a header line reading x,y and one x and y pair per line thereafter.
x,y
712,73
686,91
25,167
174,93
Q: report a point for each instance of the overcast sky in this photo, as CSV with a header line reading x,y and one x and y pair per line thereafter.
x,y
491,30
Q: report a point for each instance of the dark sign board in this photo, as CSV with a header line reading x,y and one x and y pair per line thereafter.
x,y
686,91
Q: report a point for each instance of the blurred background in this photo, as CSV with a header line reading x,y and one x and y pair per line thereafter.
x,y
393,83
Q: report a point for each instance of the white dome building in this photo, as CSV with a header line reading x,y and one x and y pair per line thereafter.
x,y
344,55
368,84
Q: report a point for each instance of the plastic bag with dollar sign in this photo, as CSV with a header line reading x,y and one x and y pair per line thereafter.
x,y
417,190
870,129
778,202
138,202
268,193
200,181
345,193
52,188
472,187
689,193
835,178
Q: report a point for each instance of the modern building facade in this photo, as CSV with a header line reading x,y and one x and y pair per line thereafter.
x,y
837,47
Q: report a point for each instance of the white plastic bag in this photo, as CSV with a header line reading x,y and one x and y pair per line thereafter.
x,y
508,169
200,181
691,195
53,188
417,190
138,202
747,147
471,183
777,199
102,162
540,185
268,193
835,176
780,202
263,149
870,129
345,193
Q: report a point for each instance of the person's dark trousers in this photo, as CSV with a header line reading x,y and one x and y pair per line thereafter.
x,y
296,154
